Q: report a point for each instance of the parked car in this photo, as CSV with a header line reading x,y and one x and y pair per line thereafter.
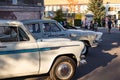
x,y
51,28
24,54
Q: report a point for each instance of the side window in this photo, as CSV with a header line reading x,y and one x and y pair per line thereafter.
x,y
12,34
8,34
33,28
22,35
46,27
50,27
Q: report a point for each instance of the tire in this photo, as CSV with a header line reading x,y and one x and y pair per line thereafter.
x,y
63,69
85,50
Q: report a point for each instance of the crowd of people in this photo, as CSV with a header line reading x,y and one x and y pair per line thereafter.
x,y
93,25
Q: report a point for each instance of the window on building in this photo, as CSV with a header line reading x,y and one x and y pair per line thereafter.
x,y
111,9
22,2
33,2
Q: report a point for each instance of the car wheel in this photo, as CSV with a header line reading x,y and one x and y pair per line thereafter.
x,y
63,69
85,50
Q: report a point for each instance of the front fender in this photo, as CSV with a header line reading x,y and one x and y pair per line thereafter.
x,y
47,57
87,39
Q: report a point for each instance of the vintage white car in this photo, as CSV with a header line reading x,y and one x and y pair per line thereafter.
x,y
23,54
51,28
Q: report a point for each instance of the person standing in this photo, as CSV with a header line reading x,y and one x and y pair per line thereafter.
x,y
109,25
115,22
65,24
95,26
86,23
91,25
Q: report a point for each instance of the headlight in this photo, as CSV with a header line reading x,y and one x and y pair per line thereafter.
x,y
99,35
93,37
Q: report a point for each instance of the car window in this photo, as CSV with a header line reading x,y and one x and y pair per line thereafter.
x,y
34,28
46,27
8,34
11,34
22,35
54,27
50,27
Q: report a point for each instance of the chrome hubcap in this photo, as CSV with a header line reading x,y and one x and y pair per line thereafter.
x,y
64,70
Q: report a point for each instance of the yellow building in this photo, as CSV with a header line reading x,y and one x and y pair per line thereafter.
x,y
80,6
58,2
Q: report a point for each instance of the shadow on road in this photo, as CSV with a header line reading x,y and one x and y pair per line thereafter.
x,y
99,57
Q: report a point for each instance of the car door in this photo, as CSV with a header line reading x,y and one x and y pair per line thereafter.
x,y
51,29
17,53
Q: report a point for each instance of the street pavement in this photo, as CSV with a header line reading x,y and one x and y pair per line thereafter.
x,y
103,61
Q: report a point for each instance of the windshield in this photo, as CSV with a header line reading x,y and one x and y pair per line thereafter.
x,y
61,27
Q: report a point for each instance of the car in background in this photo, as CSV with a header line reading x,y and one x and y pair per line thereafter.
x,y
51,28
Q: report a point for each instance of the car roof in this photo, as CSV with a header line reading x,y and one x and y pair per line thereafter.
x,y
10,23
36,20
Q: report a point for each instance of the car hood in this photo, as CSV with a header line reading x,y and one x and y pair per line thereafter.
x,y
60,42
81,32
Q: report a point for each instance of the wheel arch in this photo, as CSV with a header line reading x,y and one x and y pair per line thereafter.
x,y
72,56
86,42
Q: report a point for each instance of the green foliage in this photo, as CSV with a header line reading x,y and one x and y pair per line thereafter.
x,y
59,15
97,8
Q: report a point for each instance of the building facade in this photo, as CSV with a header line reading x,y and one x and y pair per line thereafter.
x,y
21,9
80,6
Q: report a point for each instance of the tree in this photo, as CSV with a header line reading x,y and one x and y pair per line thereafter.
x,y
98,9
59,15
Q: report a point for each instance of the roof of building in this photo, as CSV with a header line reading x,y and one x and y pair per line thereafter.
x,y
62,2
111,1
59,2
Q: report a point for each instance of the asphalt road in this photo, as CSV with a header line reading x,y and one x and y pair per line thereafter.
x,y
103,61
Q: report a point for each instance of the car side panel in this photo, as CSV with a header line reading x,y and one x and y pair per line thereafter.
x,y
18,59
54,49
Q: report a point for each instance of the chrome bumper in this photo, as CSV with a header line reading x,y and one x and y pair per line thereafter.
x,y
96,43
83,60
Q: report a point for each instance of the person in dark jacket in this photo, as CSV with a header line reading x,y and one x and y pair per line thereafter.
x,y
109,25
